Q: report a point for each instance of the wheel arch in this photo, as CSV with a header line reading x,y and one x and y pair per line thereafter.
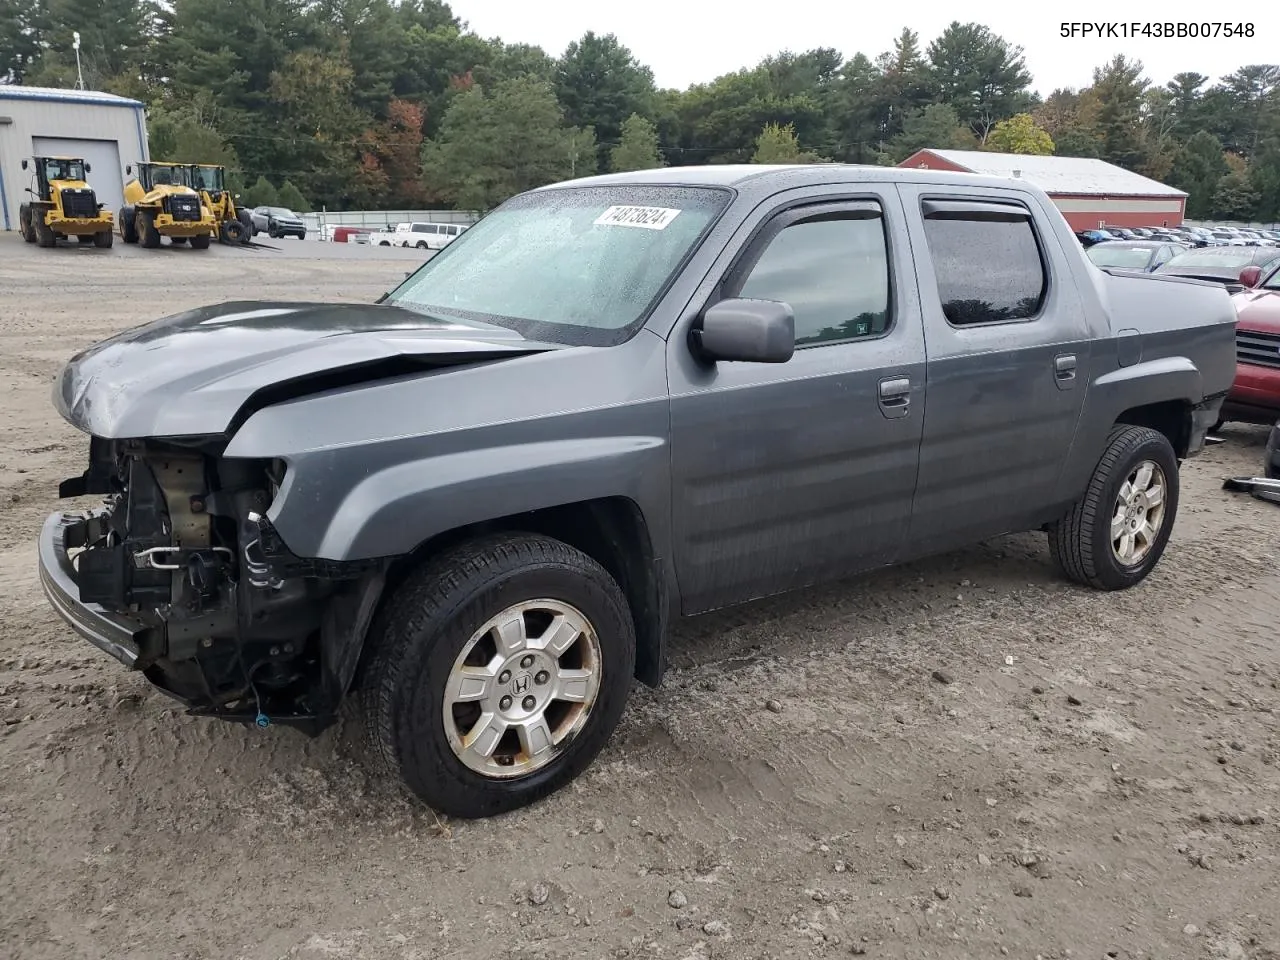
x,y
611,530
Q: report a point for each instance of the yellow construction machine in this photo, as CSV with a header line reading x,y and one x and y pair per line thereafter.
x,y
159,201
62,205
210,180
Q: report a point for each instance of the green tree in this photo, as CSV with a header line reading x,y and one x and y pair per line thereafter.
x,y
778,144
313,92
1197,169
115,40
492,146
638,148
1235,198
981,76
20,36
291,197
600,84
1117,91
261,194
1020,134
936,127
185,135
1264,176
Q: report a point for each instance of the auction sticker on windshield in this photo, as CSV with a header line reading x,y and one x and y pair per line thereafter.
x,y
650,218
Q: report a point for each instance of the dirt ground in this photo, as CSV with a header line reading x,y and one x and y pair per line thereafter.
x,y
970,758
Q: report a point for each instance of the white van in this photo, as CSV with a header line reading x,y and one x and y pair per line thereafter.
x,y
424,236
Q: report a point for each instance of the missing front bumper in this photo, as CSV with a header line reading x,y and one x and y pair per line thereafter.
x,y
122,638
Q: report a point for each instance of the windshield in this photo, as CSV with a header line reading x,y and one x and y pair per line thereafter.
x,y
1271,282
570,265
280,211
207,178
63,169
1222,259
1113,255
168,174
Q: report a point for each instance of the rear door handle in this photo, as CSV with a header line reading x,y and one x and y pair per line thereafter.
x,y
895,397
1064,370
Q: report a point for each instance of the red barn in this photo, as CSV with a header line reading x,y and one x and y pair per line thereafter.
x,y
1090,193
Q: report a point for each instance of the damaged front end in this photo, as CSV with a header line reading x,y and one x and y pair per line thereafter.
x,y
180,575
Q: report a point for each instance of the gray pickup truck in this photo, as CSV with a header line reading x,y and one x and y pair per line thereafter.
x,y
479,502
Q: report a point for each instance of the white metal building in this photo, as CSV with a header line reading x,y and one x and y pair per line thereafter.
x,y
109,132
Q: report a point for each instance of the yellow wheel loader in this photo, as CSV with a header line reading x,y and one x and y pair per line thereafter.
x,y
210,180
159,201
62,204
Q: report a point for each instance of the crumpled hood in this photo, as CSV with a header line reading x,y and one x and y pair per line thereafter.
x,y
192,373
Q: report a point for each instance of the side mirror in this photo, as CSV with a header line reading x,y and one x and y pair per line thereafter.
x,y
24,164
749,331
88,169
1250,276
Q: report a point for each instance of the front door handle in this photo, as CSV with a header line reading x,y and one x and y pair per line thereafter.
x,y
1064,370
895,397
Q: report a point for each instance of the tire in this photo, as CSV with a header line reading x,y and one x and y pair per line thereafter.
x,y
233,231
24,223
45,236
201,242
384,243
127,218
433,617
145,225
1081,542
246,220
103,238
303,235
422,244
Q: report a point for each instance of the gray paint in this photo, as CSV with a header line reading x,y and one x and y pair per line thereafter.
x,y
751,478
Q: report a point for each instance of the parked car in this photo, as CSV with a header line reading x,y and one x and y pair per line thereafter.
x,y
1141,255
1218,264
1089,237
278,222
479,503
421,234
1255,394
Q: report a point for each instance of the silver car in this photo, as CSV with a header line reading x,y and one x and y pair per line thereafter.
x,y
278,222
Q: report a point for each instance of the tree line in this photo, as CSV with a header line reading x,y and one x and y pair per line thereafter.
x,y
382,104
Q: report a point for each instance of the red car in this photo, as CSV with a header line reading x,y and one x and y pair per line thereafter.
x,y
1255,395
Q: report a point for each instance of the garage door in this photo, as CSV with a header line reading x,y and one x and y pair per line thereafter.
x,y
103,156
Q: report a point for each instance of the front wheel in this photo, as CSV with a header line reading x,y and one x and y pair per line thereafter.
x,y
497,672
1116,533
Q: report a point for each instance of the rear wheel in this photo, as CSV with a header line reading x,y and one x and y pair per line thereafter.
x,y
201,242
1116,533
102,238
497,672
127,219
24,223
145,224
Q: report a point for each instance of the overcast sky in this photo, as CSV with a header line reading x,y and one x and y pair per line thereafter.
x,y
693,41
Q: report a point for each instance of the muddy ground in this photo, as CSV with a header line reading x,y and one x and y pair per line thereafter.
x,y
971,759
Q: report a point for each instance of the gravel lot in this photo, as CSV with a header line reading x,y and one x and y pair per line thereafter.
x,y
966,757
